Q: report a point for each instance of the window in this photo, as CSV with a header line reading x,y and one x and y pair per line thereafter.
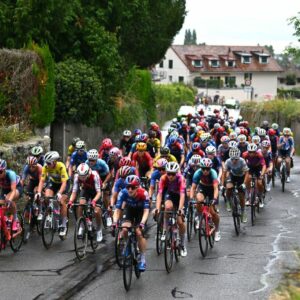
x,y
197,63
298,80
263,59
230,81
214,63
282,80
180,79
161,64
215,77
246,59
230,63
170,78
170,64
248,76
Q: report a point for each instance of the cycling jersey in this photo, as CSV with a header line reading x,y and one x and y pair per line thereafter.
x,y
71,149
127,145
188,174
77,159
268,157
177,150
191,153
119,185
256,161
216,164
156,174
154,143
100,166
236,168
242,147
113,165
33,175
177,186
41,160
93,183
274,142
208,180
144,161
168,157
10,178
288,144
140,201
58,174
223,152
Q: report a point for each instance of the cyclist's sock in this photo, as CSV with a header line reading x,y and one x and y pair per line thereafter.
x,y
142,257
64,222
182,239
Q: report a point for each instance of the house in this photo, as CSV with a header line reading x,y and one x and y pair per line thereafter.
x,y
241,72
289,79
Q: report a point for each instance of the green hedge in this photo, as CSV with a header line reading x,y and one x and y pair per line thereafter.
x,y
208,83
290,93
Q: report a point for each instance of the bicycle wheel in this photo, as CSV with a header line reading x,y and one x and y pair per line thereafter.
x,y
127,266
159,232
81,238
168,251
253,196
48,229
27,217
190,221
119,248
283,178
273,176
17,237
93,235
136,265
236,216
203,240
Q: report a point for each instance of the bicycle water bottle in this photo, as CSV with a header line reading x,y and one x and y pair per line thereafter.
x,y
89,224
109,221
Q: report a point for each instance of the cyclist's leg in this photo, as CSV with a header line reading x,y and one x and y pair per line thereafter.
x,y
142,243
288,165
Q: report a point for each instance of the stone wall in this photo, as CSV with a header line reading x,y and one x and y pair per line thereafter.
x,y
16,154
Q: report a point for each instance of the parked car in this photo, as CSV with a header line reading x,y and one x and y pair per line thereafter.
x,y
232,103
185,110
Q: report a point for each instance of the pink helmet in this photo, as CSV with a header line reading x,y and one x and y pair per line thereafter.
x,y
125,171
107,144
124,161
114,152
161,163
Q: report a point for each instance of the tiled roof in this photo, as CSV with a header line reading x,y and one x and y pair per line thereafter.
x,y
207,52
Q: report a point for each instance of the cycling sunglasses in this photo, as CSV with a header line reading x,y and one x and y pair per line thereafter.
x,y
171,174
2,171
205,169
131,187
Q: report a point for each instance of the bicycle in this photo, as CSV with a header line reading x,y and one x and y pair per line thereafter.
x,y
51,221
85,230
6,232
236,209
253,198
145,183
207,228
283,173
159,231
120,244
192,213
130,259
171,243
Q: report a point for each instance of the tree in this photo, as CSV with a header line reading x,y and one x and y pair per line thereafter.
x,y
194,37
295,21
270,49
187,37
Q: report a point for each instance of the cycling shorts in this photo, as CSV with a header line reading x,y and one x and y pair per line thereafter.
x,y
53,186
206,190
174,197
89,195
133,215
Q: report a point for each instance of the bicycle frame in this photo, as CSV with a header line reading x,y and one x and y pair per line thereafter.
x,y
206,214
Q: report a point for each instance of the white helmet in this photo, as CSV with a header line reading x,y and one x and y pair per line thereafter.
x,y
174,133
232,144
234,153
36,150
242,138
210,150
233,135
256,139
172,167
127,133
93,154
252,147
217,125
51,156
83,170
174,120
261,132
237,130
275,126
79,145
193,126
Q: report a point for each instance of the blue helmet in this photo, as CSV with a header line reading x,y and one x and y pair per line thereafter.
x,y
196,146
3,164
132,180
137,132
172,140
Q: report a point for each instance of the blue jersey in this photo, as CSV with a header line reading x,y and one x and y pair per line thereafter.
x,y
100,166
154,177
119,185
34,175
77,159
10,178
288,144
208,180
140,201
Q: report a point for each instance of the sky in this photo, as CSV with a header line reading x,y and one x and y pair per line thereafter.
x,y
236,22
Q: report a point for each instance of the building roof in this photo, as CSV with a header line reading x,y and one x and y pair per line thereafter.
x,y
187,53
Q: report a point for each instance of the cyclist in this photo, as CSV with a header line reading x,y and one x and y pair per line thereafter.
x,y
155,127
104,149
257,166
165,153
37,151
58,184
188,173
71,149
89,184
142,160
286,149
196,149
206,179
126,142
154,142
242,143
265,150
136,202
236,171
177,149
78,156
171,190
11,190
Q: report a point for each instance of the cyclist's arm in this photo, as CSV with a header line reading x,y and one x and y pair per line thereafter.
x,y
216,190
62,187
13,188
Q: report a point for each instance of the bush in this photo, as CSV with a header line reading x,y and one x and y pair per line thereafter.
x,y
208,83
290,93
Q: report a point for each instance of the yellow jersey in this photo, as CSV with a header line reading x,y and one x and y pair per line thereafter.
x,y
71,149
58,174
169,158
155,143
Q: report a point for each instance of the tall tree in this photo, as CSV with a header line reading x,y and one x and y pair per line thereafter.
x,y
194,37
295,21
270,49
187,37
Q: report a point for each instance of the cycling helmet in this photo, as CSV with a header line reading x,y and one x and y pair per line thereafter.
x,y
107,144
127,133
210,150
286,131
137,138
161,163
132,180
51,156
3,164
196,146
164,151
221,129
125,161
226,124
174,133
184,123
152,134
261,132
36,150
83,170
217,125
80,145
225,139
232,144
172,167
141,146
242,138
31,161
172,140
170,129
275,126
234,153
174,120
114,152
252,147
154,126
193,126
206,163
266,143
265,124
92,154
205,137
237,130
137,132
75,140
272,131
256,139
144,137
125,171
233,135
195,160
